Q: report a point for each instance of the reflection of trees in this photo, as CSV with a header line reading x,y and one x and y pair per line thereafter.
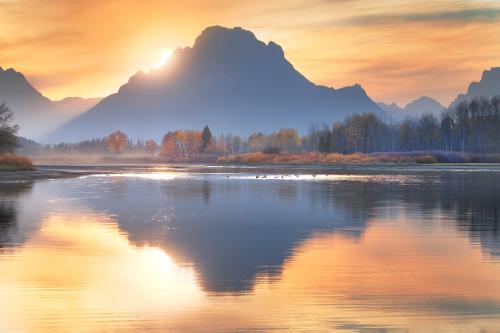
x,y
8,223
234,230
8,211
471,199
474,201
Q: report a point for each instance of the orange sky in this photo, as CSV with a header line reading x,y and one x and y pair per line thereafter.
x,y
397,49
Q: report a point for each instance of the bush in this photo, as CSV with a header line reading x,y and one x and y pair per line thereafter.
x,y
271,150
426,159
15,163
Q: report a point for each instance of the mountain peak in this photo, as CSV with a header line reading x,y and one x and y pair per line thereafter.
x,y
416,108
13,83
490,74
424,99
219,34
423,105
216,45
488,86
11,73
228,79
33,112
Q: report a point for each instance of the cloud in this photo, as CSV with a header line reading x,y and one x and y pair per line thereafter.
x,y
387,46
451,17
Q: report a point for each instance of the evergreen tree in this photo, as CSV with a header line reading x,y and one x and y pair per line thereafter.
x,y
206,138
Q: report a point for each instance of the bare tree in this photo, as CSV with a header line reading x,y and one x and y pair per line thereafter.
x,y
8,139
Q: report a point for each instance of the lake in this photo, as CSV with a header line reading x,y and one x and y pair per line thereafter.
x,y
208,249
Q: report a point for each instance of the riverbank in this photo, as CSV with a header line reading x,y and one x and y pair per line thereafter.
x,y
399,158
15,163
258,158
122,159
39,174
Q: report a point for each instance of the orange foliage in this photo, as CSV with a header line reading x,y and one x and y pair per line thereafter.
x,y
183,143
168,145
151,146
116,142
326,159
15,163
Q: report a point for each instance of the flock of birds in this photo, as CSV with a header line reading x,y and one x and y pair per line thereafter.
x,y
282,176
258,176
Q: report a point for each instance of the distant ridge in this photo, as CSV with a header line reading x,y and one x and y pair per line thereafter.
x,y
34,113
229,80
414,109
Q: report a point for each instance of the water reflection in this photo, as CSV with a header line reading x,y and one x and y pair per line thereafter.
x,y
212,252
77,267
9,195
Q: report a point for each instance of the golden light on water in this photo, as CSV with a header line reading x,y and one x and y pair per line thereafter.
x,y
78,269
82,272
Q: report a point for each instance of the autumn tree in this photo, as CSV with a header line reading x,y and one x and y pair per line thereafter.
x,y
286,139
168,145
116,142
256,142
8,139
151,146
188,142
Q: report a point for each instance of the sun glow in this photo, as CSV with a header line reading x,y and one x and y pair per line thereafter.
x,y
165,57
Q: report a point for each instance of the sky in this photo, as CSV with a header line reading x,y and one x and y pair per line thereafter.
x,y
398,50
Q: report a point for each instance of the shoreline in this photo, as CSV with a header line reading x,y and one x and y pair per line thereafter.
x,y
49,172
37,175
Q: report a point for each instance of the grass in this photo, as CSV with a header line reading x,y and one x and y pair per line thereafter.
x,y
417,157
15,163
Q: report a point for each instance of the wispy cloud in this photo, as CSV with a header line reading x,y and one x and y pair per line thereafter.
x,y
397,49
453,16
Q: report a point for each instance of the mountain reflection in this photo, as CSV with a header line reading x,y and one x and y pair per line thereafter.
x,y
196,252
235,229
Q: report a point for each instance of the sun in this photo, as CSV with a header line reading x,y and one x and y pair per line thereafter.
x,y
165,55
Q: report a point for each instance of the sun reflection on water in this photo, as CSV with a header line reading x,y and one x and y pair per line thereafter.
x,y
79,268
85,269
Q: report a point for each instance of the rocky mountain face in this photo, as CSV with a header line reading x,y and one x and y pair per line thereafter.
x,y
228,80
488,86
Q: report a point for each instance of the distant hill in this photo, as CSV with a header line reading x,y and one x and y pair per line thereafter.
x,y
414,109
488,86
34,113
72,106
229,80
391,111
422,106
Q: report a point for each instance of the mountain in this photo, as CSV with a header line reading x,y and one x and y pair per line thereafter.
x,y
414,109
34,113
422,106
228,80
488,86
392,111
73,106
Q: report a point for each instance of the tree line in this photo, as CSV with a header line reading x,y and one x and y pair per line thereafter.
x,y
471,126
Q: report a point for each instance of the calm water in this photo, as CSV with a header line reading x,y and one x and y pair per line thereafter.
x,y
192,250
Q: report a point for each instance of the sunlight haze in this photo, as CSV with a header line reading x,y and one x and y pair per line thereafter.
x,y
397,50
